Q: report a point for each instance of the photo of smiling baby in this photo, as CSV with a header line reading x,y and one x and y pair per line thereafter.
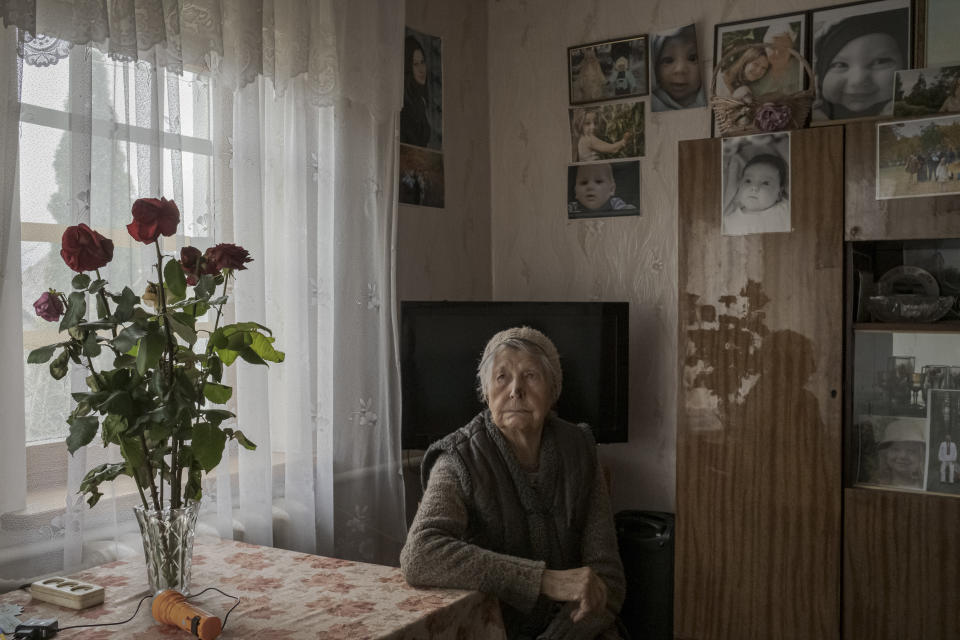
x,y
603,189
857,50
756,183
677,83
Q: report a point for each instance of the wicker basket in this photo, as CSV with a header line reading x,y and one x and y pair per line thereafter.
x,y
778,111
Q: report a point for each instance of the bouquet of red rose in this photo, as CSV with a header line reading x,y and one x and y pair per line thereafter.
x,y
155,401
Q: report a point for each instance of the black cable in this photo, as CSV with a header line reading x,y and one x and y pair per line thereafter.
x,y
109,624
235,604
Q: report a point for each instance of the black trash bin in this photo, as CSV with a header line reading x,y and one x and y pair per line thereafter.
x,y
646,549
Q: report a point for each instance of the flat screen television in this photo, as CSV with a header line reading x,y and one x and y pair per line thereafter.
x,y
441,344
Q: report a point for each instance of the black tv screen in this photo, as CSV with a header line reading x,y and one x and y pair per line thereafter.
x,y
441,344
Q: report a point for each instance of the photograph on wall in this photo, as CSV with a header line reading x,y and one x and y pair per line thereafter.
x,y
937,22
918,157
756,184
421,119
924,92
748,70
892,451
607,132
603,189
608,70
676,73
943,413
857,50
421,177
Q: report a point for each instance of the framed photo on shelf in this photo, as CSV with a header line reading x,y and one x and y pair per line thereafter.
x,y
925,92
873,35
936,32
943,411
751,71
892,451
607,132
608,70
918,158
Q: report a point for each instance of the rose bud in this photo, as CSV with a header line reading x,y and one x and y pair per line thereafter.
x,y
150,295
227,256
83,249
153,218
48,306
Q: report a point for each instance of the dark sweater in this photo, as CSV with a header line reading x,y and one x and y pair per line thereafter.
x,y
484,523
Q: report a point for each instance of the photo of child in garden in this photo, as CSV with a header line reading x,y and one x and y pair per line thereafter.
x,y
856,53
608,70
677,81
607,132
603,189
756,177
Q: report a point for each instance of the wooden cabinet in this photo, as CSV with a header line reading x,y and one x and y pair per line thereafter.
x,y
758,546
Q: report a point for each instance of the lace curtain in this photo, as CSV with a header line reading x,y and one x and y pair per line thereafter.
x,y
300,150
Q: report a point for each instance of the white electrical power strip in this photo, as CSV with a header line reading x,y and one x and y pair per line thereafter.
x,y
64,592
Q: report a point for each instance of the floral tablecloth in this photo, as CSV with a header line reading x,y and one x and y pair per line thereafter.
x,y
282,594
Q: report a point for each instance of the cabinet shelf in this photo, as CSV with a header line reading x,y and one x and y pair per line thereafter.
x,y
950,326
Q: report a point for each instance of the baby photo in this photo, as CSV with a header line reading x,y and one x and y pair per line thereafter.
x,y
756,183
750,71
676,79
856,52
603,189
606,132
608,70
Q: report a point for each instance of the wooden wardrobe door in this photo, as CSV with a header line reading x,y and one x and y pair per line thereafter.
x,y
758,539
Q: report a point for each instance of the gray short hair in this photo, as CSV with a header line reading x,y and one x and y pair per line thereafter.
x,y
529,341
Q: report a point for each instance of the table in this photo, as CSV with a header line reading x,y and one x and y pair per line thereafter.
x,y
283,594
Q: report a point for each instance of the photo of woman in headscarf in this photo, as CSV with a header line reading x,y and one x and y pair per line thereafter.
x,y
420,118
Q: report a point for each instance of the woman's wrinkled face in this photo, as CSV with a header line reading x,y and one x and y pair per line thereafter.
x,y
905,458
419,66
861,74
678,70
519,393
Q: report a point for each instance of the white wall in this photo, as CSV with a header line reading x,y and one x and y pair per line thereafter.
x,y
538,254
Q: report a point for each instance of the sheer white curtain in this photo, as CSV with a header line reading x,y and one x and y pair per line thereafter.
x,y
295,163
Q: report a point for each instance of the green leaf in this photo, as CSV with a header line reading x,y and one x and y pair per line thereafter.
x,y
102,310
96,286
208,442
227,356
117,402
127,338
60,366
80,281
82,430
174,278
126,303
91,348
194,487
215,367
217,393
113,428
216,416
249,355
149,351
41,355
76,308
263,347
188,334
91,482
205,286
241,439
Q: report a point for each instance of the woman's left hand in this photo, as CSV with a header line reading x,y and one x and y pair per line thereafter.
x,y
575,585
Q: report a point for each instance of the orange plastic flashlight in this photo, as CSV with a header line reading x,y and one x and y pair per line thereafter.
x,y
170,607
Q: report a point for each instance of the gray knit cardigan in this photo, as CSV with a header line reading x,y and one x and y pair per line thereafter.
x,y
484,523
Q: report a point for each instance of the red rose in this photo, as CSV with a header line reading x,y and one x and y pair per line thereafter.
x,y
195,265
48,307
227,256
83,249
153,218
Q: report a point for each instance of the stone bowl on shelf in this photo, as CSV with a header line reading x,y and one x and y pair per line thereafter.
x,y
909,308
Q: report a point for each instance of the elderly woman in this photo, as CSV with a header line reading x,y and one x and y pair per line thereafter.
x,y
516,505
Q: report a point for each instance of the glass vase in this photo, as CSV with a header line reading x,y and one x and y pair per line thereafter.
x,y
168,545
